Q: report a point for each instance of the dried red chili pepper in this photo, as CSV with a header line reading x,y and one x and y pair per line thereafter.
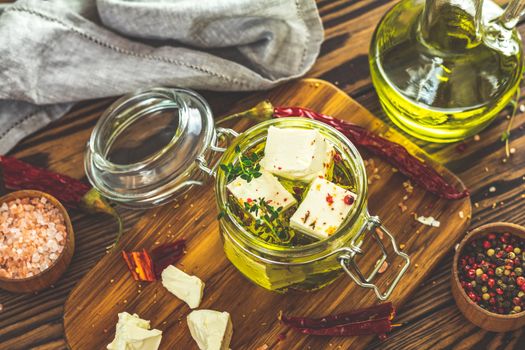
x,y
395,154
167,254
19,175
148,267
384,310
371,320
379,327
140,265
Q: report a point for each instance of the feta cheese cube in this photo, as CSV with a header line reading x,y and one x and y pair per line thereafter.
x,y
185,287
324,208
134,333
297,154
212,330
265,186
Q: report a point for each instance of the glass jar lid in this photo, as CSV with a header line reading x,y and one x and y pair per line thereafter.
x,y
151,145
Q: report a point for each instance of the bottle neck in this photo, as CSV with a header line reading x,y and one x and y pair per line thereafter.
x,y
515,9
451,25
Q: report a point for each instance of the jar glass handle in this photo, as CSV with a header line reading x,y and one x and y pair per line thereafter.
x,y
349,265
220,133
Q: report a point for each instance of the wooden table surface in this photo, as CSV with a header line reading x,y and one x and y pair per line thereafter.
x,y
431,319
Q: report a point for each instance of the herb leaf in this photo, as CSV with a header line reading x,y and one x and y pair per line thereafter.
x,y
269,218
247,167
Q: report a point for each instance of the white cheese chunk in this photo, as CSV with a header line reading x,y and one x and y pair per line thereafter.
x,y
265,186
134,333
297,154
212,330
185,287
324,208
429,221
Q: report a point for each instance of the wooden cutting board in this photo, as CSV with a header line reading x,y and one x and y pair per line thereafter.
x,y
91,309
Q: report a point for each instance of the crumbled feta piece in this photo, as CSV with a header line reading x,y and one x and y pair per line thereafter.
x,y
185,287
297,154
429,221
324,208
265,186
212,330
134,333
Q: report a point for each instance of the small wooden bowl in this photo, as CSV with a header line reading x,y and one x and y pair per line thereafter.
x,y
59,266
480,317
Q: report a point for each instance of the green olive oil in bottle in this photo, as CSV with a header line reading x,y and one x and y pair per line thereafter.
x,y
444,69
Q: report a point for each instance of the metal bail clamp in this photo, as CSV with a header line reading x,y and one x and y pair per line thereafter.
x,y
220,133
348,263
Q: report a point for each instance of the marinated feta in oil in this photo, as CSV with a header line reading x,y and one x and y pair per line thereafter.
x,y
293,189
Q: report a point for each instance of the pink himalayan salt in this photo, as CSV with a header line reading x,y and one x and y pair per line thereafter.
x,y
32,236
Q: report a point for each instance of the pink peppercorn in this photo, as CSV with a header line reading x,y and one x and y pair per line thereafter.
x,y
349,200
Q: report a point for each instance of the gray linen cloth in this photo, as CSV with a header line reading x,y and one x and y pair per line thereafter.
x,y
54,53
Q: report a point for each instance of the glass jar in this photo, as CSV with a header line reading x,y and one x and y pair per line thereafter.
x,y
153,145
311,266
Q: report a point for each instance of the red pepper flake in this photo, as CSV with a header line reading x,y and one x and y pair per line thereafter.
x,y
306,216
140,265
337,158
146,267
167,254
249,200
349,200
383,267
329,199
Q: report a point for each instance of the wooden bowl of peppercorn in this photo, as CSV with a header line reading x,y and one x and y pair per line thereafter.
x,y
488,277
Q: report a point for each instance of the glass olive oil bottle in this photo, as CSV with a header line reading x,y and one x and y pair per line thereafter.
x,y
444,69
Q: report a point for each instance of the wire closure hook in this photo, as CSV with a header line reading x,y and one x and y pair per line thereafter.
x,y
220,133
349,265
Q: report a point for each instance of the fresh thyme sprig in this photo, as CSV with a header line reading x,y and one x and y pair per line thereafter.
x,y
269,217
247,168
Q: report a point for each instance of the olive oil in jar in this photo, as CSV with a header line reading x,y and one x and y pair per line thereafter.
x,y
274,225
444,69
275,232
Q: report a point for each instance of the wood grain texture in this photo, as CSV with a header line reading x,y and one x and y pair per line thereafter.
x,y
431,318
109,289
